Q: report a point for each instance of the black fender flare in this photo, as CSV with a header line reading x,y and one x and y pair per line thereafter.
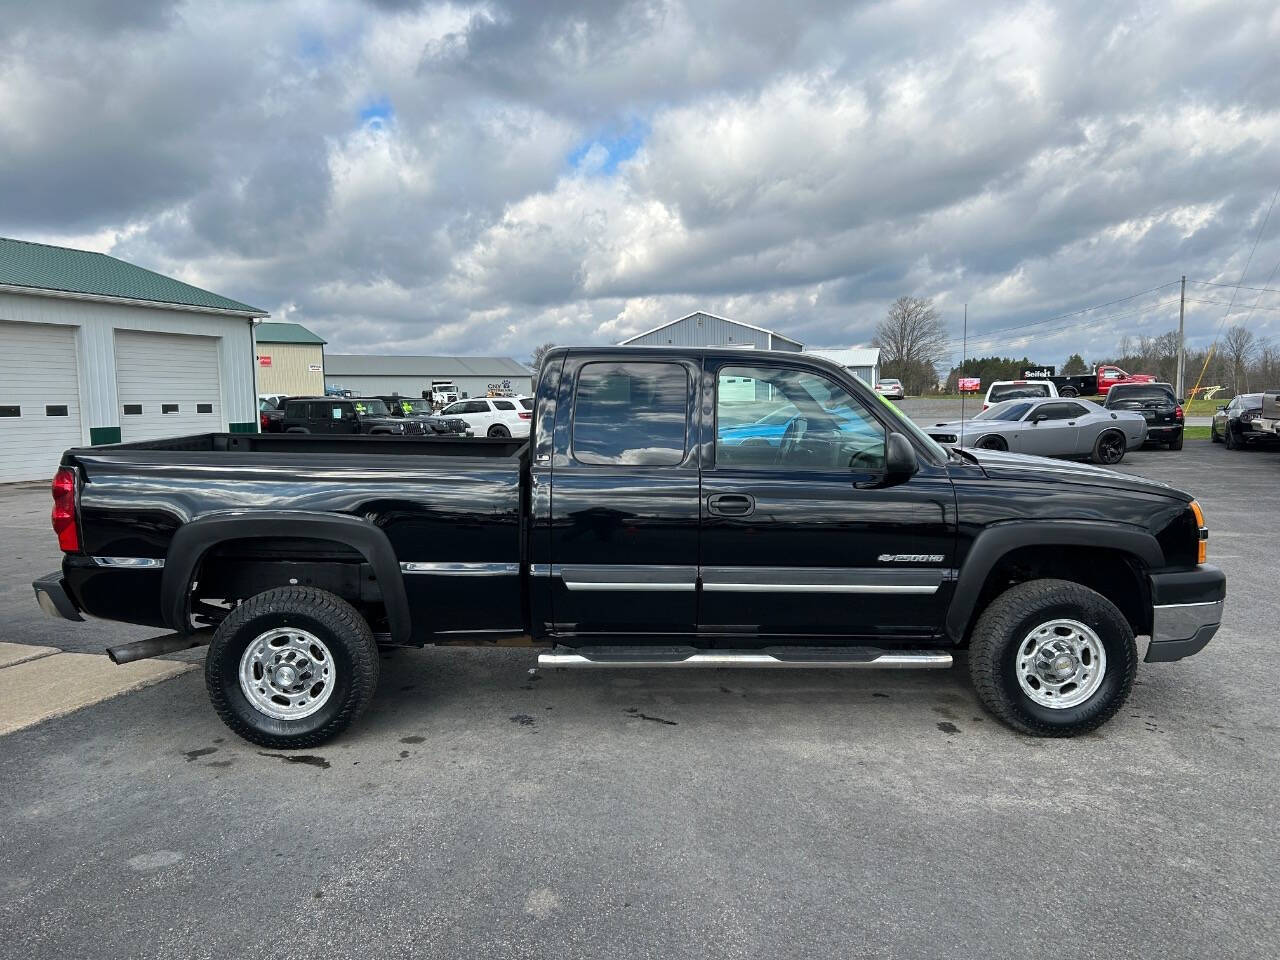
x,y
193,540
996,541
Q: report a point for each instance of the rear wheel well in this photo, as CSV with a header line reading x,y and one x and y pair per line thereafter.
x,y
231,571
1117,575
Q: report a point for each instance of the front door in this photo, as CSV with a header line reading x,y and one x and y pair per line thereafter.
x,y
1050,429
624,513
800,535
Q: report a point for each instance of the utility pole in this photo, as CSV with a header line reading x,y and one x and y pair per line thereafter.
x,y
964,358
1182,347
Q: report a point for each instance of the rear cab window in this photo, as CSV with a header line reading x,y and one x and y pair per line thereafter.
x,y
630,414
1139,393
1017,391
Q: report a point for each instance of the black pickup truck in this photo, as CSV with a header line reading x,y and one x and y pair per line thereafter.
x,y
673,508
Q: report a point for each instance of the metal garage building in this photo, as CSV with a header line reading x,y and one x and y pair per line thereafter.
x,y
702,329
290,360
409,376
862,362
94,350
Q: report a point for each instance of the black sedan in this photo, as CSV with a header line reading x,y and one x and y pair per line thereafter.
x,y
1248,418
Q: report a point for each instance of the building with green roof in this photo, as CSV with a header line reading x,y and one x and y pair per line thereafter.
x,y
96,350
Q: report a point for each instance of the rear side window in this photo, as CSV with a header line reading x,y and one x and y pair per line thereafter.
x,y
504,404
633,414
526,402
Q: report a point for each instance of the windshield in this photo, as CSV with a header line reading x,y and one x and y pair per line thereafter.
x,y
413,406
370,408
1004,411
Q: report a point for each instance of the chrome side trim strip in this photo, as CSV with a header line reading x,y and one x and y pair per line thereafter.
x,y
540,569
144,563
461,569
631,578
815,588
921,581
904,660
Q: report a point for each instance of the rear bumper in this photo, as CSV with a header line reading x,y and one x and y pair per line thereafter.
x,y
1164,431
54,600
1187,611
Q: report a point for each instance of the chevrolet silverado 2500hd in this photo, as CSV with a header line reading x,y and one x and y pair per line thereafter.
x,y
672,508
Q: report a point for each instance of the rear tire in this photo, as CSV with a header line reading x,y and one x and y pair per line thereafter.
x,y
1176,444
1109,447
1068,392
301,653
498,431
1032,629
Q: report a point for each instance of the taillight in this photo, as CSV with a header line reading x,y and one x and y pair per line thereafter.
x,y
1177,413
526,415
262,421
64,510
985,405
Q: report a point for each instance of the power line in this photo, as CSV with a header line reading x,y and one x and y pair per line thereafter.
x,y
1237,286
1245,272
982,338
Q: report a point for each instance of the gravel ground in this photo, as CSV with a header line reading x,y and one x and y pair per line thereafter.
x,y
476,812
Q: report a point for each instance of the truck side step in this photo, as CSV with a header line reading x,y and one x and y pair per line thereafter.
x,y
822,658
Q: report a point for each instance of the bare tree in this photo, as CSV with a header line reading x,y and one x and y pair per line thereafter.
x,y
1239,347
539,353
913,339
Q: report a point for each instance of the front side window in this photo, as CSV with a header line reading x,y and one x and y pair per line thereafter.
x,y
631,413
1057,411
371,408
768,417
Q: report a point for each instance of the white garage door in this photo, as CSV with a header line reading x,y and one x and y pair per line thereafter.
x,y
39,399
167,385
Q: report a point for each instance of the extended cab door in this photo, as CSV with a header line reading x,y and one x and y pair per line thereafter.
x,y
801,534
624,504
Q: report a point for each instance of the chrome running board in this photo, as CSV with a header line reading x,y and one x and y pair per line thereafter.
x,y
829,658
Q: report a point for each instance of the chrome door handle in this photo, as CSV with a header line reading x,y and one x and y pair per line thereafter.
x,y
731,504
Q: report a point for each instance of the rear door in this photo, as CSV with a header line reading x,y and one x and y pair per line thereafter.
x,y
800,537
624,508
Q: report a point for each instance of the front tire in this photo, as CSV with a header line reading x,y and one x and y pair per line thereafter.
x,y
1052,658
291,668
1231,441
992,443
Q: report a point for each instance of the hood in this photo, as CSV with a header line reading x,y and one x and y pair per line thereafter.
x,y
1020,466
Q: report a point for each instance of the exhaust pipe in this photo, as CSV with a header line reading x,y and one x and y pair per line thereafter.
x,y
158,646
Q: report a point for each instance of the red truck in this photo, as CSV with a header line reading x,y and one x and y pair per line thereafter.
x,y
1098,383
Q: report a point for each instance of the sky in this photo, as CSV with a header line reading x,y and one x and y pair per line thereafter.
x,y
409,177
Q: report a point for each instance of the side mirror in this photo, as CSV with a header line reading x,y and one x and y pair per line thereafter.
x,y
1221,409
1039,416
900,458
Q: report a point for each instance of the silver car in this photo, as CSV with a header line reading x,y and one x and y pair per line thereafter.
x,y
1049,427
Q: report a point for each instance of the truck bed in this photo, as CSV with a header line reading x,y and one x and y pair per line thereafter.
x,y
444,506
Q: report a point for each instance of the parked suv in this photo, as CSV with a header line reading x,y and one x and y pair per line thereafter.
x,y
1159,406
413,408
339,415
493,416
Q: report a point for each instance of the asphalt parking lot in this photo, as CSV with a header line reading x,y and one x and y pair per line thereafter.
x,y
476,812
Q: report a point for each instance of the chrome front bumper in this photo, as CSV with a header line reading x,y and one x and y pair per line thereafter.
x,y
1187,612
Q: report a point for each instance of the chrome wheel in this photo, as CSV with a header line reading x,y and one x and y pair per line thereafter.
x,y
1061,664
287,674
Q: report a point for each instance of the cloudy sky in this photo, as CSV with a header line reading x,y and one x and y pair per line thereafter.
x,y
422,177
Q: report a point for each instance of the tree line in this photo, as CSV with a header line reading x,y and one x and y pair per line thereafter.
x,y
914,343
